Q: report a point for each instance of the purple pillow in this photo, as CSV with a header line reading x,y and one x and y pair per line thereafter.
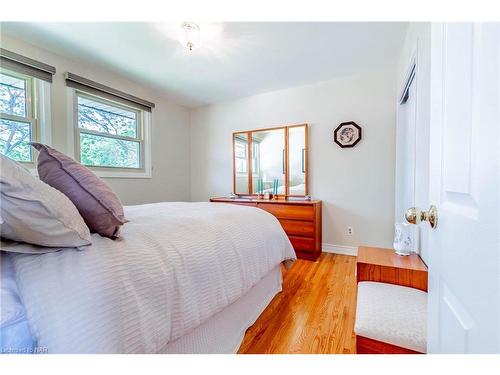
x,y
97,203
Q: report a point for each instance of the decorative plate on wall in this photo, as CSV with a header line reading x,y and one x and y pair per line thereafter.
x,y
347,134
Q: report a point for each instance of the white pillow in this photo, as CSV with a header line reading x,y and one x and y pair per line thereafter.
x,y
35,212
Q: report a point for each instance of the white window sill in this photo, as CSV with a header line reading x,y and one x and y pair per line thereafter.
x,y
103,174
122,174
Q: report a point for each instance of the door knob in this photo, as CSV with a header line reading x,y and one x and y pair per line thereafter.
x,y
415,215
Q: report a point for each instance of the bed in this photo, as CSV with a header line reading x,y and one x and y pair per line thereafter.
x,y
182,278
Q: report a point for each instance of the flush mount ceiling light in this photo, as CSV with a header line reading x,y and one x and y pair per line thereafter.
x,y
191,35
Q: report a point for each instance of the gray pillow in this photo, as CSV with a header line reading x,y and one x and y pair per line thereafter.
x,y
33,212
97,203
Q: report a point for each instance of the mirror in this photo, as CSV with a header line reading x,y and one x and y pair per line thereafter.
x,y
297,160
262,156
268,160
240,149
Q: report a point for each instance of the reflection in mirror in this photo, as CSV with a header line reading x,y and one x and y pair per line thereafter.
x,y
297,160
268,159
241,163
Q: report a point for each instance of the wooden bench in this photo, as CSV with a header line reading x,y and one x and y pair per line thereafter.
x,y
391,313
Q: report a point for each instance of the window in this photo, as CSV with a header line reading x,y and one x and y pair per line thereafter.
x,y
18,124
241,155
255,157
112,129
109,134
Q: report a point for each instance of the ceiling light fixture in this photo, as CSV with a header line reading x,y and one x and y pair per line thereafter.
x,y
191,38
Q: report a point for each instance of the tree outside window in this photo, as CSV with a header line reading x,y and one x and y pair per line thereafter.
x,y
17,120
110,134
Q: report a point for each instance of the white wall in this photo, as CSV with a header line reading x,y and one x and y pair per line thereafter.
x,y
417,46
356,185
170,127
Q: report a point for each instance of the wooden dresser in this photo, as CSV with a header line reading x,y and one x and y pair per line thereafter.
x,y
301,221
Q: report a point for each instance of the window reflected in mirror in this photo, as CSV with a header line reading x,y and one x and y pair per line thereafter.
x,y
241,163
268,160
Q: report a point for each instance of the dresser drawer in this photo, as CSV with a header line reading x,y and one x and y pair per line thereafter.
x,y
298,227
284,211
302,243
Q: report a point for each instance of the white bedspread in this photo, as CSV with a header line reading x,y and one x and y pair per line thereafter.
x,y
175,266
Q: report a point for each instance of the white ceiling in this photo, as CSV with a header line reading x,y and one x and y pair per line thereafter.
x,y
235,59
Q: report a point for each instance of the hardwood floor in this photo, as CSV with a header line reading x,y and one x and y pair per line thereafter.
x,y
314,313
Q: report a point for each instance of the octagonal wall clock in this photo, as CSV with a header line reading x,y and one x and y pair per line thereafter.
x,y
347,134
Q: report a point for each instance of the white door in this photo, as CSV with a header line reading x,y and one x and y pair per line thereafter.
x,y
464,251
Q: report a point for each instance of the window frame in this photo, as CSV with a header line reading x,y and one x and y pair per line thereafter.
x,y
32,110
243,144
142,137
255,157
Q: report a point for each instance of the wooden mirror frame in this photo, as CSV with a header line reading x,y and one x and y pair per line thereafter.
x,y
287,166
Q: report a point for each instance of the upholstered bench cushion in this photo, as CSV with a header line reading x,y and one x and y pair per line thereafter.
x,y
392,314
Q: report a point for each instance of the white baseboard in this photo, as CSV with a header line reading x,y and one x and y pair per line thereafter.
x,y
339,249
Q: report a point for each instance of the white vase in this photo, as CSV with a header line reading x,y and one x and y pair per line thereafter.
x,y
404,239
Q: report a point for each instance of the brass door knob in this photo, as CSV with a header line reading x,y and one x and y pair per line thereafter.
x,y
415,215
